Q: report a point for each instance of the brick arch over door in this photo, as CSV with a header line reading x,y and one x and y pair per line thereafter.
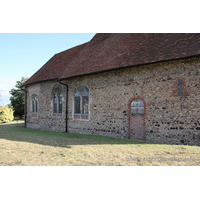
x,y
136,123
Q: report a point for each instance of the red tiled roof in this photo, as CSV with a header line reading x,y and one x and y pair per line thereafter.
x,y
107,51
55,67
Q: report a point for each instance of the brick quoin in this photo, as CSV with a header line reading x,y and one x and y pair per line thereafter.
x,y
136,117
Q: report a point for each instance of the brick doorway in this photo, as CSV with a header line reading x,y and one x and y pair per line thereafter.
x,y
137,127
137,122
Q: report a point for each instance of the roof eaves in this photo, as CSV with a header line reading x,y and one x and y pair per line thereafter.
x,y
40,68
125,67
39,82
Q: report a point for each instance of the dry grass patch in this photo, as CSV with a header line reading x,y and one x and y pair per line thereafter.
x,y
20,146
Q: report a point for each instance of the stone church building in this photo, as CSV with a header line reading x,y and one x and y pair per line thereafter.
x,y
131,86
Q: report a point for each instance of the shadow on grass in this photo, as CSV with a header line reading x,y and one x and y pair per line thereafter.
x,y
17,132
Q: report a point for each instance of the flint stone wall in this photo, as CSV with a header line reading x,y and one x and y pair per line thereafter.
x,y
168,118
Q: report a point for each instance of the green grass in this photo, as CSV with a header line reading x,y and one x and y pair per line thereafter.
x,y
20,146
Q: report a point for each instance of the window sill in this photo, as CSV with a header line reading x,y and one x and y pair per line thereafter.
x,y
57,114
81,116
34,115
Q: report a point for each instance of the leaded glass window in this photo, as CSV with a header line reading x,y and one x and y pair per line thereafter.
x,y
55,104
77,108
34,103
32,106
85,104
60,103
36,106
57,100
180,89
137,107
81,100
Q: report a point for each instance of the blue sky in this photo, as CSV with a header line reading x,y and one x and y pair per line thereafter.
x,y
22,54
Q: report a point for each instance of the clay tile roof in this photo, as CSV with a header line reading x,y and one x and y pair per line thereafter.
x,y
108,51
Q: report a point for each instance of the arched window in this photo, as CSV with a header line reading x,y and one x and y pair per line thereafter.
x,y
34,103
137,107
81,101
57,100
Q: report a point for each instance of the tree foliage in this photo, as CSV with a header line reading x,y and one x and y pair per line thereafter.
x,y
6,114
10,106
17,99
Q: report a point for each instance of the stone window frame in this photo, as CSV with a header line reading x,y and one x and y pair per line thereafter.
x,y
81,115
179,88
57,95
34,105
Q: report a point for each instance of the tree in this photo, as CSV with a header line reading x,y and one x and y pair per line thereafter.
x,y
10,106
6,114
17,99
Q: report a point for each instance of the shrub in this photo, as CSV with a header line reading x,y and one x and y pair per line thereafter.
x,y
6,114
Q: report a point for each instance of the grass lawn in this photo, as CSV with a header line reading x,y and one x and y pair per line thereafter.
x,y
20,146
